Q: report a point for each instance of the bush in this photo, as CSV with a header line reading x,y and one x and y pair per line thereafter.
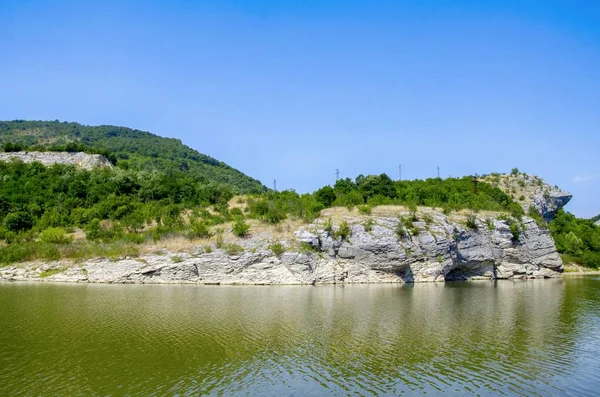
x,y
515,231
365,209
199,229
18,221
514,171
93,230
368,225
219,242
236,212
412,211
344,232
234,249
241,228
400,232
278,249
328,227
471,222
55,235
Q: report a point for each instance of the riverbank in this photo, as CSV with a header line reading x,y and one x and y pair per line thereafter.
x,y
340,247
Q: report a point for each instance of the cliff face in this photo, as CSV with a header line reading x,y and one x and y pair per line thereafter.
x,y
82,160
443,249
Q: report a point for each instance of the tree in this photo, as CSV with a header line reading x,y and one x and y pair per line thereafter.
x,y
325,196
381,185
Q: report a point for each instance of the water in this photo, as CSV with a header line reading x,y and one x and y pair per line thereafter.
x,y
537,337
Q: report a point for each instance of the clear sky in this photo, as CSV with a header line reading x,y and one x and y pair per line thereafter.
x,y
294,90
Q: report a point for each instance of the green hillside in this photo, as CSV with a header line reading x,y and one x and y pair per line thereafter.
x,y
133,149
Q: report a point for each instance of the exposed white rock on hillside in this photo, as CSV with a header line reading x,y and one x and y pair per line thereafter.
x,y
530,190
83,160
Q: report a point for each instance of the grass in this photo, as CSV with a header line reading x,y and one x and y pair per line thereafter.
x,y
52,272
31,251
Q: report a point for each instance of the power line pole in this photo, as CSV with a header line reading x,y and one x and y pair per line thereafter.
x,y
275,184
438,170
337,174
400,171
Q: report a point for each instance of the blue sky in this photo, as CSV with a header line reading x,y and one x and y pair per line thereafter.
x,y
295,90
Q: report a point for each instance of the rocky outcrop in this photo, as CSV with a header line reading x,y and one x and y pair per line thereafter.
x,y
531,190
82,160
548,201
440,249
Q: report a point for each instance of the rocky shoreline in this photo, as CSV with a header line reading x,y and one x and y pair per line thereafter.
x,y
440,249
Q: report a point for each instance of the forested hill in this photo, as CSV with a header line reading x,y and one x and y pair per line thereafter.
x,y
132,149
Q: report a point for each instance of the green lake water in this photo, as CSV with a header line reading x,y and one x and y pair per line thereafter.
x,y
537,337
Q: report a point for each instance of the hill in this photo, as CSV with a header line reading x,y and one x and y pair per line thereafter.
x,y
132,149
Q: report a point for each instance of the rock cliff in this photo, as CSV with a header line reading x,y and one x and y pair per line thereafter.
x,y
436,248
531,190
82,160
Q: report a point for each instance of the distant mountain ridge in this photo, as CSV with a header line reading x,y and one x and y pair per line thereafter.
x,y
133,149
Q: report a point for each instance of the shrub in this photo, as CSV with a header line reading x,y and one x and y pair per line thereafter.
x,y
400,230
515,231
199,229
344,232
471,222
278,249
368,225
18,221
412,211
328,227
236,212
306,247
234,249
490,224
55,235
93,230
241,228
428,219
522,198
219,243
514,171
365,209
176,259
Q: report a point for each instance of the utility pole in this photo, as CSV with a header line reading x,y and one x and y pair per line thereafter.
x,y
275,184
438,170
337,174
400,171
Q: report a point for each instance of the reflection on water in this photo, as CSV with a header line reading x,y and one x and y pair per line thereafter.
x,y
523,337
